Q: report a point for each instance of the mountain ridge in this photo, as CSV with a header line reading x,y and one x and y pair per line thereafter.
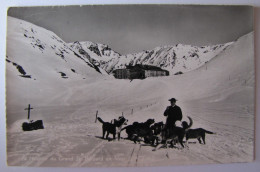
x,y
178,58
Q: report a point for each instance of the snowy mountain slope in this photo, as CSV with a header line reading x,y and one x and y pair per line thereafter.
x,y
179,58
42,54
233,67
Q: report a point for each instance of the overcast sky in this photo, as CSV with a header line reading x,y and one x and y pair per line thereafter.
x,y
133,28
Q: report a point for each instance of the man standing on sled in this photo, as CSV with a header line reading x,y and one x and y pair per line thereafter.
x,y
173,114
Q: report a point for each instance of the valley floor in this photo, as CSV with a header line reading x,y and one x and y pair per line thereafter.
x,y
71,137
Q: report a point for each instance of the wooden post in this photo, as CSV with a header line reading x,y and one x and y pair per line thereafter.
x,y
132,111
96,116
122,113
29,109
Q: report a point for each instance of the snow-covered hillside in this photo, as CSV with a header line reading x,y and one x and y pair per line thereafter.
x,y
179,58
36,53
218,96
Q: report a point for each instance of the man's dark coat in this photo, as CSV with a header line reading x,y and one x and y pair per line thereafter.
x,y
173,114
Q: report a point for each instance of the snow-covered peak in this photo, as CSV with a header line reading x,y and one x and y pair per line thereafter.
x,y
96,53
177,58
42,54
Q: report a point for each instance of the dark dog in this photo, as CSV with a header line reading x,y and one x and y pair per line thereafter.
x,y
145,124
197,134
157,128
113,128
137,130
174,134
156,132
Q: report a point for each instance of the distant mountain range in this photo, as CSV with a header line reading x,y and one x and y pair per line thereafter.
x,y
34,52
178,58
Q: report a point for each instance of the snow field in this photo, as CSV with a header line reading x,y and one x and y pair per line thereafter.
x,y
218,96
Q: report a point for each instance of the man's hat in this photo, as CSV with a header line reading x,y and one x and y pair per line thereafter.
x,y
172,100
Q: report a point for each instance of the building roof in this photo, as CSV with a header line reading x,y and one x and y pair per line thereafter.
x,y
144,67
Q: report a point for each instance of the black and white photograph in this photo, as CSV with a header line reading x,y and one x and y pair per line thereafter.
x,y
129,85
